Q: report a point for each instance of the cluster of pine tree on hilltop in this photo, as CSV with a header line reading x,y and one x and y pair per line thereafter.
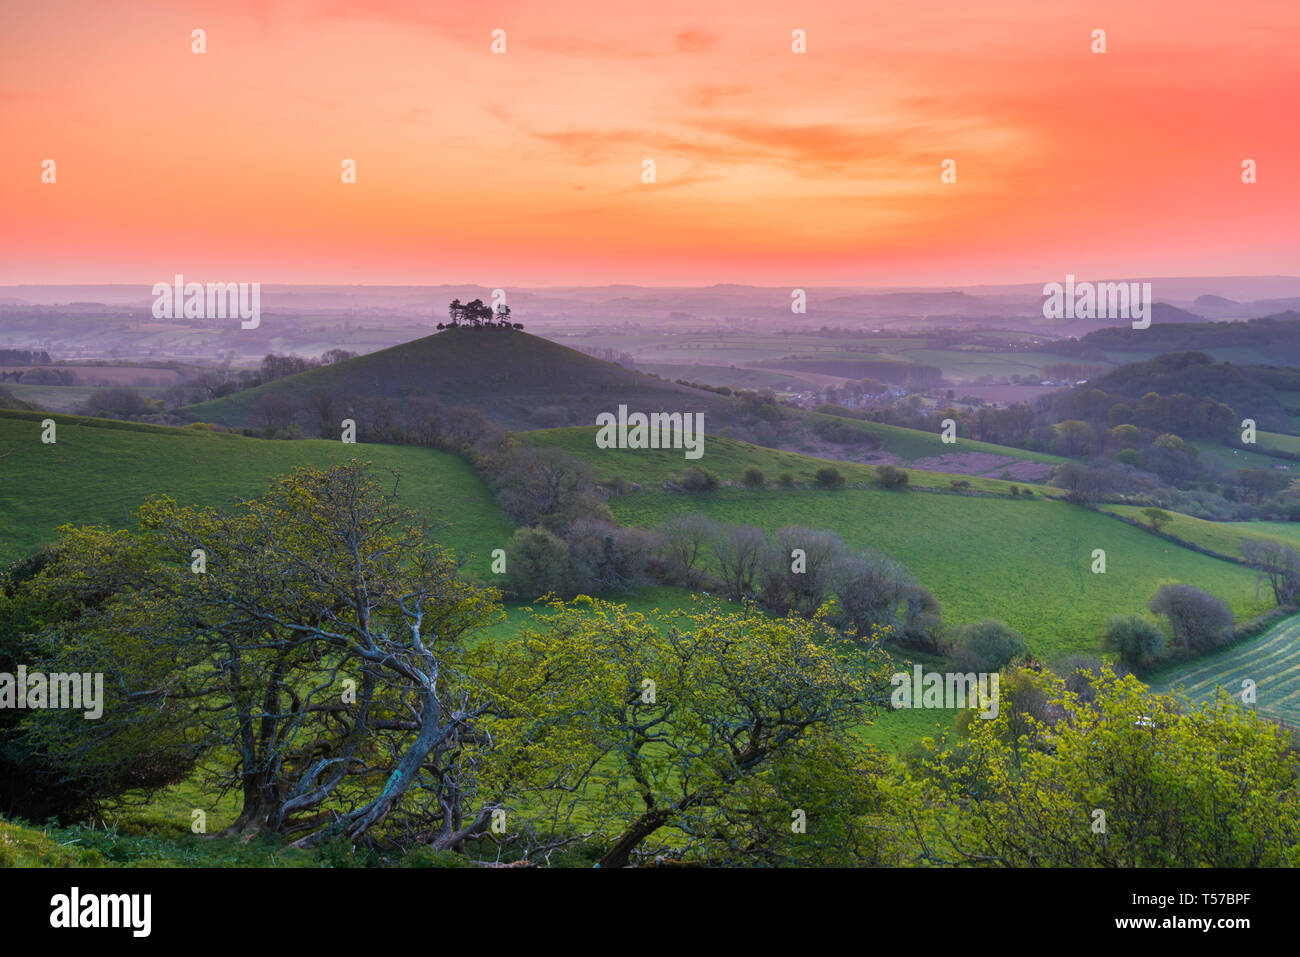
x,y
476,315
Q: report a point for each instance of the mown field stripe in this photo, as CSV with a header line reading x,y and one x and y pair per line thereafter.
x,y
1271,660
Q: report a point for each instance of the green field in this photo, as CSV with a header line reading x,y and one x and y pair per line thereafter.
x,y
101,471
1222,537
1241,459
728,459
1025,562
1288,532
718,375
65,398
848,365
1276,440
971,364
911,444
1271,660
895,730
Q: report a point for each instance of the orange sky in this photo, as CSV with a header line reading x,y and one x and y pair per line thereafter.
x,y
525,168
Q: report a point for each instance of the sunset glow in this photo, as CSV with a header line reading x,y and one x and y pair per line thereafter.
x,y
525,167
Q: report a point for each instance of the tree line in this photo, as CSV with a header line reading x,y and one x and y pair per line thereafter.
x,y
475,314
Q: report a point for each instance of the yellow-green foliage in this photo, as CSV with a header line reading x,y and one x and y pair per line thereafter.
x,y
1130,779
693,740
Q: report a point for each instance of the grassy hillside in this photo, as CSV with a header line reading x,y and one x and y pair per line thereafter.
x,y
507,375
1222,537
527,383
1279,441
99,471
1271,660
728,459
913,444
1288,532
1242,459
1025,562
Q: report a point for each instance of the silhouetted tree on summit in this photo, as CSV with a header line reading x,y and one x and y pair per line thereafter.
x,y
478,315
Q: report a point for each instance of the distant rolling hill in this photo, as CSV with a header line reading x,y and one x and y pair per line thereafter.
x,y
526,383
1272,339
508,376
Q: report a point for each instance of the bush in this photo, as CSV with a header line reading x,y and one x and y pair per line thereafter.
x,y
990,644
1080,673
889,477
839,432
549,487
796,570
960,485
603,556
1082,483
615,485
683,541
739,551
1277,564
39,778
697,480
829,478
1135,640
874,589
1156,518
114,403
753,478
1197,620
786,480
550,416
537,562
